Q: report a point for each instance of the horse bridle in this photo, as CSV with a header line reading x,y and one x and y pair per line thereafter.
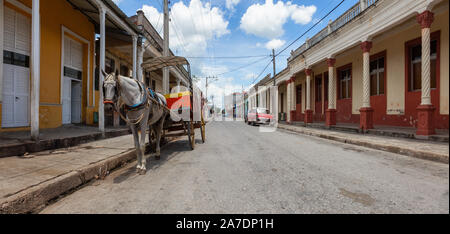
x,y
108,80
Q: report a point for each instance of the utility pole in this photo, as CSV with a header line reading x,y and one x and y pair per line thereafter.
x,y
206,86
166,47
274,84
274,71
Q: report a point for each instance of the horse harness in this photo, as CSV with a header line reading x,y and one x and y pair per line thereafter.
x,y
145,103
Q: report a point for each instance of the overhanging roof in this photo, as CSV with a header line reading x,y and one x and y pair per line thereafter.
x,y
91,11
161,62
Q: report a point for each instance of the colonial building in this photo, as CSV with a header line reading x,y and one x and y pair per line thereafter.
x,y
53,52
383,62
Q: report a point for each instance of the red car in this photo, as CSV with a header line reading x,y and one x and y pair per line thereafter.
x,y
259,116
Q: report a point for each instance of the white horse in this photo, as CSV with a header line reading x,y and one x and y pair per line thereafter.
x,y
144,110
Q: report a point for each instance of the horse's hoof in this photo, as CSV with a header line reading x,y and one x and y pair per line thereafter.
x,y
142,172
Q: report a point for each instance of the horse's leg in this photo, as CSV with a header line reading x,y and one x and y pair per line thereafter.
x,y
136,146
150,129
159,130
143,128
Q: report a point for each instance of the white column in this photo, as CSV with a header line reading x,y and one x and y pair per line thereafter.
x,y
426,19
35,68
178,85
166,77
366,46
331,84
288,100
140,60
308,89
293,96
101,109
134,57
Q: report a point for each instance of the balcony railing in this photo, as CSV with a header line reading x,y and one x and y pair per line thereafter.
x,y
342,20
346,17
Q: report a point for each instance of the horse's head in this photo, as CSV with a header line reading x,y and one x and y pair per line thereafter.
x,y
110,90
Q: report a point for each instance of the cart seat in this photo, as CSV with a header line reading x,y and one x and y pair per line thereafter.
x,y
178,100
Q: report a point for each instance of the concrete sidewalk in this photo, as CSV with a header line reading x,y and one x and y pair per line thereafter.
x,y
29,182
19,143
435,151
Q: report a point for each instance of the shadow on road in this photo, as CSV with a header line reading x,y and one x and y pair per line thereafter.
x,y
168,152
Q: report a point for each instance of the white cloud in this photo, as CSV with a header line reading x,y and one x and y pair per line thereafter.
x,y
117,2
302,14
207,70
154,16
191,26
230,4
219,88
267,20
275,44
250,76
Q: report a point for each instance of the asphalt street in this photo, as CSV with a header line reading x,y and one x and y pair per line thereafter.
x,y
242,170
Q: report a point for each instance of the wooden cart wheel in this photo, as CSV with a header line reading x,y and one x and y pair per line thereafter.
x,y
203,130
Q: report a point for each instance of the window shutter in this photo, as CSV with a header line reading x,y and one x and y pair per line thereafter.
x,y
9,29
23,33
67,56
77,55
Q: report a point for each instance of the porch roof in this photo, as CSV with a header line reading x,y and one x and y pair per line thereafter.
x,y
90,9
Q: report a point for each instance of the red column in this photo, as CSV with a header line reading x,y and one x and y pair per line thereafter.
x,y
308,110
425,111
330,115
366,112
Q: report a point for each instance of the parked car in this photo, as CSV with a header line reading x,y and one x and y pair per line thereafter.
x,y
259,116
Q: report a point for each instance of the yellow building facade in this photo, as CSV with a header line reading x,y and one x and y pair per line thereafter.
x,y
66,64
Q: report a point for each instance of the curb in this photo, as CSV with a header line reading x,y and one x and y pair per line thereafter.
x,y
442,158
38,196
32,147
376,132
31,199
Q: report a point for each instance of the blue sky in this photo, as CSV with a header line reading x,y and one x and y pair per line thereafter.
x,y
235,28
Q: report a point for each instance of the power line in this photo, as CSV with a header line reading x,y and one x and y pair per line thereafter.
x,y
265,68
311,28
239,68
230,57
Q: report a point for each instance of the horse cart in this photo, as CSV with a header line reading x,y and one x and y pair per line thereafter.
x,y
185,104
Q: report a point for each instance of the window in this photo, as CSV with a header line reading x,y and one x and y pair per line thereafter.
x,y
16,59
345,77
415,66
299,94
377,76
318,83
72,73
